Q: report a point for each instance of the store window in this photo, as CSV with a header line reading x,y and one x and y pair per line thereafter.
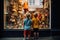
x,y
14,13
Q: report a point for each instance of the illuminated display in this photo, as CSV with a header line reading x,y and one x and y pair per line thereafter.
x,y
15,12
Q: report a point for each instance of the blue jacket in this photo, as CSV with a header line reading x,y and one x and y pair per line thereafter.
x,y
27,24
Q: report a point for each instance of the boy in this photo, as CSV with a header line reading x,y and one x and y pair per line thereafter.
x,y
27,26
35,25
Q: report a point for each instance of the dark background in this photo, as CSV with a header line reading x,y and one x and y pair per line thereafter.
x,y
55,22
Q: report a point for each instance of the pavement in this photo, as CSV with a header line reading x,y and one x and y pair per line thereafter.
x,y
40,38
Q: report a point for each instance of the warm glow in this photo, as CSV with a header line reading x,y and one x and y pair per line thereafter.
x,y
25,0
20,0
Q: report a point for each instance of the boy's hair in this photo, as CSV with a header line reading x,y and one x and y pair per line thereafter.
x,y
28,15
35,15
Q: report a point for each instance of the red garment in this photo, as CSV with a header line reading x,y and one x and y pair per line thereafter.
x,y
27,32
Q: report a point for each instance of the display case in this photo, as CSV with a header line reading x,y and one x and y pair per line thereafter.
x,y
14,13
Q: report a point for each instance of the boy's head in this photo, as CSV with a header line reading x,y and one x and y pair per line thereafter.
x,y
35,14
28,15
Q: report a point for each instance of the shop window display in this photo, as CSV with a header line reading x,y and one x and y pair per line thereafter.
x,y
15,13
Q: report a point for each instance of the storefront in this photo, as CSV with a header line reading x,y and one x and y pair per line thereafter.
x,y
15,7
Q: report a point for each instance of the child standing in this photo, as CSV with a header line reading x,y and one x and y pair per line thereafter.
x,y
27,26
35,25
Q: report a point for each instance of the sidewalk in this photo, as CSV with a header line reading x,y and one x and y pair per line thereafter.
x,y
41,38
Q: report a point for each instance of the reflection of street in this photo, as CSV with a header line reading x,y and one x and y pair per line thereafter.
x,y
17,13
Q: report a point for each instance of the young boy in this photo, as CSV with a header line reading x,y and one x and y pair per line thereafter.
x,y
27,26
35,25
